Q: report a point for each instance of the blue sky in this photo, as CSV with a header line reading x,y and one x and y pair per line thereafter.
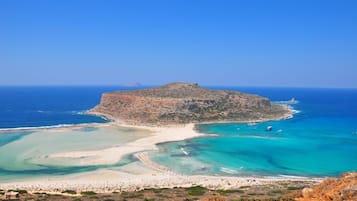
x,y
299,43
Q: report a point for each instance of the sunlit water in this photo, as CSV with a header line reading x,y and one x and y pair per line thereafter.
x,y
321,140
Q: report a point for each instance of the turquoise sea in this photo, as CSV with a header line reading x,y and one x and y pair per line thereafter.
x,y
320,140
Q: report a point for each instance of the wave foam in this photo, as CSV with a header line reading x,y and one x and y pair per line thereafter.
x,y
37,127
288,102
73,112
291,176
229,171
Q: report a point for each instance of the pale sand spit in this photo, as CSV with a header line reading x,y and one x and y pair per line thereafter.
x,y
113,154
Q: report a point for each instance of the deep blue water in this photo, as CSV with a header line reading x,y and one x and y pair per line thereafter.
x,y
49,106
321,140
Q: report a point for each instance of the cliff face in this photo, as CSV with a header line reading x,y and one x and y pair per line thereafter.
x,y
185,102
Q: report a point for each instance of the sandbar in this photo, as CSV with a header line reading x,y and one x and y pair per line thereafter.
x,y
138,175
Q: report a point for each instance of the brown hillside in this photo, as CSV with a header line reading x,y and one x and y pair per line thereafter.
x,y
177,103
332,189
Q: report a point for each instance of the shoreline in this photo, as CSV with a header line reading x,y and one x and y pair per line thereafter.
x,y
144,174
141,174
59,127
288,115
114,121
107,181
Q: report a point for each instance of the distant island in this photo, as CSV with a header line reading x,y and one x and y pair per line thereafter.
x,y
180,103
133,84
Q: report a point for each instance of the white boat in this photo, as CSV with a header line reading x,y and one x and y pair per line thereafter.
x,y
269,128
293,101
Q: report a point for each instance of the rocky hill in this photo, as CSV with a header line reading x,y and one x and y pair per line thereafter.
x,y
178,103
337,189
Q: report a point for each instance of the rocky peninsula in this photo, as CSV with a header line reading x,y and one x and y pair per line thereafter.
x,y
181,103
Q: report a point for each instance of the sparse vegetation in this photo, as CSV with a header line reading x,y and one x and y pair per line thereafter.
x,y
194,103
88,193
276,191
133,195
225,192
40,193
72,192
293,188
196,191
56,195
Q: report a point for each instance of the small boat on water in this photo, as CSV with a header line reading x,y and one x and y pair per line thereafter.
x,y
251,124
269,128
293,101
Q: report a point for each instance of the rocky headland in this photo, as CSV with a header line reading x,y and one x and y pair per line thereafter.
x,y
180,103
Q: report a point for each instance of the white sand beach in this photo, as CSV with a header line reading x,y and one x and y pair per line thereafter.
x,y
114,154
103,181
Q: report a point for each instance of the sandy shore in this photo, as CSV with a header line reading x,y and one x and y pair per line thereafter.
x,y
113,154
138,175
103,181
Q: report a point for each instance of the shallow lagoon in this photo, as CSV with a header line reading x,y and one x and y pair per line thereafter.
x,y
25,154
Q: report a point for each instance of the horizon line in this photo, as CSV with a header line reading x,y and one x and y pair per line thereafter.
x,y
156,85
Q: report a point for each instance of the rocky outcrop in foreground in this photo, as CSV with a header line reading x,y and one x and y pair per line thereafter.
x,y
337,189
178,103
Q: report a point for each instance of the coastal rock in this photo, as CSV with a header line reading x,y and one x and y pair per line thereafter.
x,y
179,103
337,189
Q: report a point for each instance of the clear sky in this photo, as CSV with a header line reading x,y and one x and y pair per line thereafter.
x,y
300,43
